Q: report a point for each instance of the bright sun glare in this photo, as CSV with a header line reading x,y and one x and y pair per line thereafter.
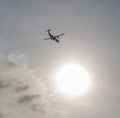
x,y
72,80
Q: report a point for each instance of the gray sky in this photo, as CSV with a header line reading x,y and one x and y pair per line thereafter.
x,y
92,31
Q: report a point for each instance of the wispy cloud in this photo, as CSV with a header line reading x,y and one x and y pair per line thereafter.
x,y
27,99
4,84
23,90
2,115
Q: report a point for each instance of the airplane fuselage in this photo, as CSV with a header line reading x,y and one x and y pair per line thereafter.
x,y
52,37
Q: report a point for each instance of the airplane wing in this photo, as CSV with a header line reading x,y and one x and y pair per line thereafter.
x,y
46,38
59,35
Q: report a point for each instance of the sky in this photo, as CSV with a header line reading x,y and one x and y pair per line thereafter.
x,y
28,63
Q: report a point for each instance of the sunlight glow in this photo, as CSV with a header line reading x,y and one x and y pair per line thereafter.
x,y
72,80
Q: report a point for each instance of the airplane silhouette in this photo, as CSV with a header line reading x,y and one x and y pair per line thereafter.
x,y
55,38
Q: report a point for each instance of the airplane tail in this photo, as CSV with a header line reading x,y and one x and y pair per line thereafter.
x,y
48,30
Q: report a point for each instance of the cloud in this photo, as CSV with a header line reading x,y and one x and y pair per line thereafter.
x,y
23,93
2,115
37,108
21,88
27,99
21,58
4,84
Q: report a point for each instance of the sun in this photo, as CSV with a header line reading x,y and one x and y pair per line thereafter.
x,y
72,80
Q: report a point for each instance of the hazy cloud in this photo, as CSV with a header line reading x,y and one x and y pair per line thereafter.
x,y
4,84
93,31
21,88
26,99
2,115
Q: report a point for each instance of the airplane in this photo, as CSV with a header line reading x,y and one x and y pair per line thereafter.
x,y
55,38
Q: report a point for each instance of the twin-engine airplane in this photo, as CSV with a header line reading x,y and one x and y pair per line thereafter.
x,y
55,38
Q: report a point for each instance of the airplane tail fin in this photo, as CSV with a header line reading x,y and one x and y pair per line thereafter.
x,y
48,30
